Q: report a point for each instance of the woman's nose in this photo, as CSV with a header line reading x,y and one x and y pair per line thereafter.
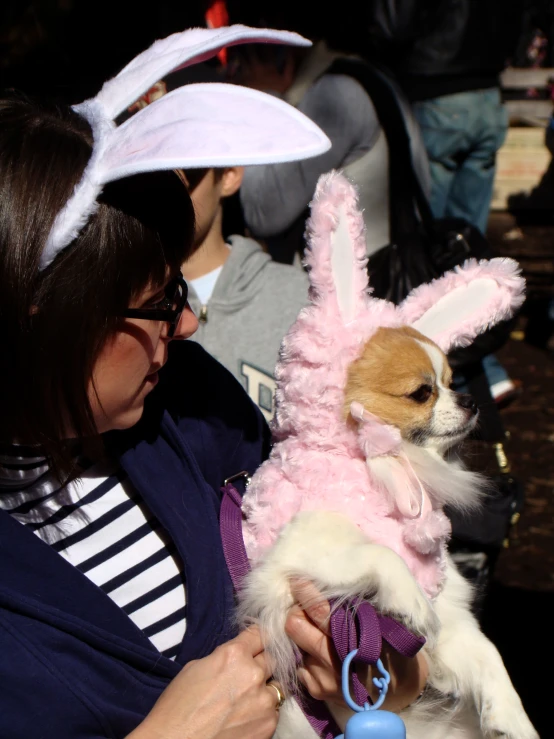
x,y
188,323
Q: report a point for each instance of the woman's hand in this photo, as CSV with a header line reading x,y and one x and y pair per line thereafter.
x,y
223,696
320,673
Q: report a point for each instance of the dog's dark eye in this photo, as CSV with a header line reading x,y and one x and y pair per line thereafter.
x,y
422,394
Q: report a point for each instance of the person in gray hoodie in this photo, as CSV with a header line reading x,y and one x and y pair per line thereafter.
x,y
244,300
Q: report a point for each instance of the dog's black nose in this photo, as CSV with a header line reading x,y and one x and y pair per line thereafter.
x,y
466,401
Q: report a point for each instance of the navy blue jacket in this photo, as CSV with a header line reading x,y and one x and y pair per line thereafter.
x,y
72,664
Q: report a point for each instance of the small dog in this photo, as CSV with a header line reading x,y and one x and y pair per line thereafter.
x,y
352,495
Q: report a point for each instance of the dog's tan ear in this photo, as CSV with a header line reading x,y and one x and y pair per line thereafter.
x,y
464,303
336,249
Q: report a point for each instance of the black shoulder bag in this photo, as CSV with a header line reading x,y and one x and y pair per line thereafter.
x,y
422,248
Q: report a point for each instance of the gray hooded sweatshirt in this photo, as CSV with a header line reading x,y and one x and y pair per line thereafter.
x,y
254,302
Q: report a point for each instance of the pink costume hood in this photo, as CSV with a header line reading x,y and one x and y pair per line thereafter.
x,y
318,462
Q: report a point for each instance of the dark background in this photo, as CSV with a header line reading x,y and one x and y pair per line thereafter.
x,y
519,612
68,48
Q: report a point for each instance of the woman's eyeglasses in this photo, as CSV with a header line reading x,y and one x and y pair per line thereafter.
x,y
168,309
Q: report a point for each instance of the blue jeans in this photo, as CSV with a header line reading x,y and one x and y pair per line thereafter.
x,y
494,372
462,133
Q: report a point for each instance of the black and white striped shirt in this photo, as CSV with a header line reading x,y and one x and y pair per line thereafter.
x,y
100,525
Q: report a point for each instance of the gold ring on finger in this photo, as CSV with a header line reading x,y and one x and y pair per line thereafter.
x,y
280,696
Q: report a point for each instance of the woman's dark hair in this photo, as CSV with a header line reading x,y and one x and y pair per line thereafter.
x,y
54,323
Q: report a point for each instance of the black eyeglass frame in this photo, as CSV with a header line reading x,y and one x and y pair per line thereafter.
x,y
171,314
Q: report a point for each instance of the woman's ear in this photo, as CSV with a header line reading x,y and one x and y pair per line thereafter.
x,y
231,180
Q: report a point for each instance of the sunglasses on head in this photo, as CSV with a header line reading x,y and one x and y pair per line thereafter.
x,y
171,307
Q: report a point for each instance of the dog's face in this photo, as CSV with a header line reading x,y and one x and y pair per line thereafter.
x,y
403,378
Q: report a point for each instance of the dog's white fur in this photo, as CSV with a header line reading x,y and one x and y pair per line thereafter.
x,y
465,667
470,695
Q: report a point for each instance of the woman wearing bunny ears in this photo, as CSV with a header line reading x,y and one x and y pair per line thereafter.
x,y
116,608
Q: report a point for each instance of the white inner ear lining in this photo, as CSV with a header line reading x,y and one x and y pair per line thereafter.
x,y
457,306
343,266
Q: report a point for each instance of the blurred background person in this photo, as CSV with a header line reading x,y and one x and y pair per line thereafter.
x,y
447,55
275,198
245,302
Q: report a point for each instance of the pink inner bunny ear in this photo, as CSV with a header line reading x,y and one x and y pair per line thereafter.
x,y
460,305
336,252
176,52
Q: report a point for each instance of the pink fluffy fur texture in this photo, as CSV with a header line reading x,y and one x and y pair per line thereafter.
x,y
319,462
505,272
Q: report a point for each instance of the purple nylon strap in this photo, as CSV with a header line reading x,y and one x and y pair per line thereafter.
x,y
230,526
354,625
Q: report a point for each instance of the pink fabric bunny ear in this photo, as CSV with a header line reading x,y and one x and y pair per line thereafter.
x,y
336,249
197,126
461,304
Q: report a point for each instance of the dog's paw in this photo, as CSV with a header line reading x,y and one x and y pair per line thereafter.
x,y
331,551
400,596
415,612
500,720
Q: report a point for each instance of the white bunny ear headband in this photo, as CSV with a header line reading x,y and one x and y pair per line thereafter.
x,y
198,125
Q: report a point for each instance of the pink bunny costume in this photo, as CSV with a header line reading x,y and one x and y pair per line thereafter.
x,y
318,462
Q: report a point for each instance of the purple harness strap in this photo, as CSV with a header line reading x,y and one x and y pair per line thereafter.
x,y
354,625
230,526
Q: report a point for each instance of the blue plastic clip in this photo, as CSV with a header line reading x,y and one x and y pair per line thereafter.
x,y
369,722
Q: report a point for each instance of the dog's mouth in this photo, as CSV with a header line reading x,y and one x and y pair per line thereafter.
x,y
426,437
419,437
459,432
